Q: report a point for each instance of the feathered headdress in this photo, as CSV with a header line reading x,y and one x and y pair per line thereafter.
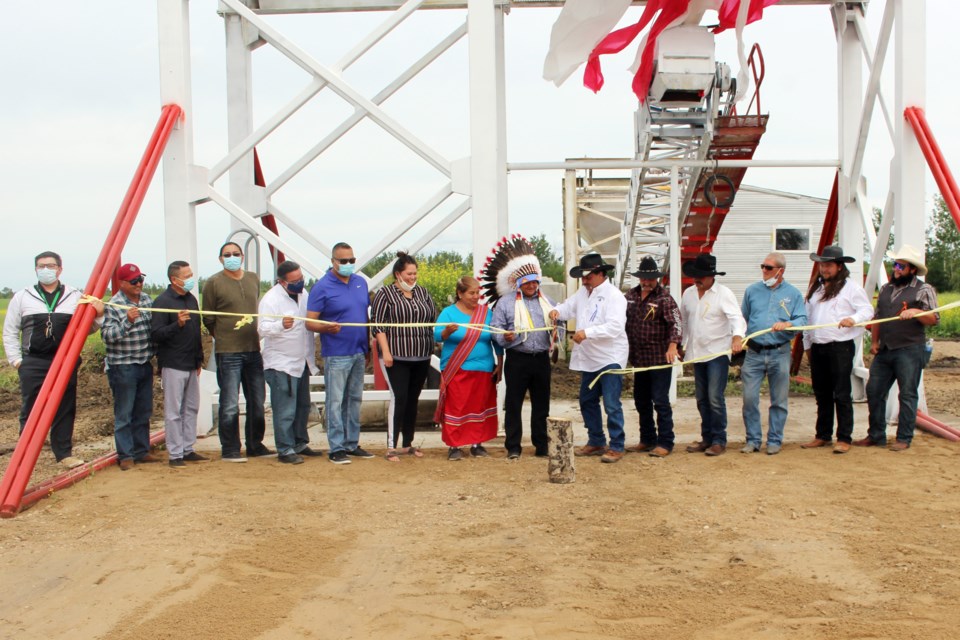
x,y
509,262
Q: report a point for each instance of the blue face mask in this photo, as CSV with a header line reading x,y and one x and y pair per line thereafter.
x,y
232,263
295,287
188,284
346,269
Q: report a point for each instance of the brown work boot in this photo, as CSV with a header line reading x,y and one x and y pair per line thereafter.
x,y
611,456
126,464
697,447
716,450
640,448
589,450
659,452
899,445
841,447
866,442
816,443
149,457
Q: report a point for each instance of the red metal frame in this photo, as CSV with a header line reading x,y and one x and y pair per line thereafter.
x,y
938,165
24,457
757,79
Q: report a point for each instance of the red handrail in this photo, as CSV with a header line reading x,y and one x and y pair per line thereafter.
x,y
25,455
757,79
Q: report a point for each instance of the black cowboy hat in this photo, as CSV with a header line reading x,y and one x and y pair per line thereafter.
x,y
588,263
833,253
648,270
703,266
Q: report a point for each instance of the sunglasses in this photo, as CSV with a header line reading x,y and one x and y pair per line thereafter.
x,y
767,267
346,260
235,254
137,280
900,266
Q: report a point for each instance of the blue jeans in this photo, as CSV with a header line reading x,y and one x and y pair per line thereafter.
x,y
343,376
233,371
774,364
710,380
132,387
905,366
290,401
608,387
651,390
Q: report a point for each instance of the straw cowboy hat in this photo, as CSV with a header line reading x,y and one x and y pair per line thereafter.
x,y
705,265
833,253
648,270
909,254
588,263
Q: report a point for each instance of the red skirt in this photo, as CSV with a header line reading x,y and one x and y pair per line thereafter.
x,y
470,409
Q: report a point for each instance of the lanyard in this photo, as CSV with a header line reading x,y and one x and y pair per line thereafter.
x,y
48,329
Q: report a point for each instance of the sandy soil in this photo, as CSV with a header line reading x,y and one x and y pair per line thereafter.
x,y
806,544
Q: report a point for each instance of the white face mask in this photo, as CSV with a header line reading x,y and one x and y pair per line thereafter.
x,y
46,276
406,287
771,282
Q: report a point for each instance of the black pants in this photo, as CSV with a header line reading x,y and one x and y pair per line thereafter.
x,y
831,365
526,371
406,382
33,371
651,391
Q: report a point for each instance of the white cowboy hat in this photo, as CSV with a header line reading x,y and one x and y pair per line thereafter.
x,y
906,253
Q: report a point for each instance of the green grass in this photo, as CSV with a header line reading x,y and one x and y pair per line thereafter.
x,y
949,326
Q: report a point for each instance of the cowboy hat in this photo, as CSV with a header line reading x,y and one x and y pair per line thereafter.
x,y
833,253
704,265
648,270
910,255
588,263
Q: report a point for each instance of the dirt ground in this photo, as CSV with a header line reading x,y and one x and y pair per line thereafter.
x,y
805,544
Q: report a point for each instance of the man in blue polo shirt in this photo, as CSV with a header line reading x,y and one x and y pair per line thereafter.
x,y
777,304
341,296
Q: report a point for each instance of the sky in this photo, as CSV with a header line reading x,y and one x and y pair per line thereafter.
x,y
81,97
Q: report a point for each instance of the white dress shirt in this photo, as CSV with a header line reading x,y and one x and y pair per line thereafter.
x,y
851,302
602,315
708,324
286,350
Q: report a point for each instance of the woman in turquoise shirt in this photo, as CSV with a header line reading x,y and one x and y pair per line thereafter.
x,y
467,411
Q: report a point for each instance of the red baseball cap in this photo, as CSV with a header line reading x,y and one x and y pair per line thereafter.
x,y
128,272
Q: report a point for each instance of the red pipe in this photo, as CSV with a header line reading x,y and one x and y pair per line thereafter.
x,y
25,455
267,220
936,430
938,423
936,161
43,489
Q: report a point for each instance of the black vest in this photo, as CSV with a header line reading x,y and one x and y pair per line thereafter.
x,y
900,333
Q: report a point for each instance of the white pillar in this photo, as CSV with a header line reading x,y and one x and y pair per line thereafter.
x,y
239,117
571,246
180,216
850,105
909,172
488,147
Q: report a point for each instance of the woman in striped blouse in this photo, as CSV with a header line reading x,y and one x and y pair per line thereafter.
x,y
405,351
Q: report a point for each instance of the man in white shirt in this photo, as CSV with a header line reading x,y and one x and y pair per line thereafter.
x,y
711,323
600,311
288,361
836,299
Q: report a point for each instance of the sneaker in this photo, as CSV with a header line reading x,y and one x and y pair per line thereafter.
x,y
71,462
307,451
260,452
360,453
477,451
290,458
454,454
232,457
751,448
177,463
513,455
193,456
611,456
773,449
339,457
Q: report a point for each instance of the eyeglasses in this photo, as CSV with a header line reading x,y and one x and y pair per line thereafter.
x,y
235,254
137,280
900,266
346,260
767,267
48,266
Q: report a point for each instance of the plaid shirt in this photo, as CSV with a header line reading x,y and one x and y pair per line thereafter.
x,y
652,324
127,343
